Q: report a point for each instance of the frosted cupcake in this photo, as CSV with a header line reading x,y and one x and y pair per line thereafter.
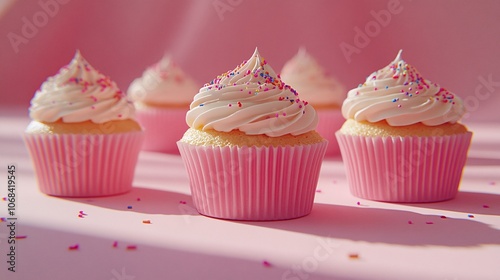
x,y
83,138
162,96
402,141
252,152
304,74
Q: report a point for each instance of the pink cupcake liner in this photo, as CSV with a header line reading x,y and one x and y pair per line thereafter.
x,y
84,165
253,183
329,122
162,128
404,169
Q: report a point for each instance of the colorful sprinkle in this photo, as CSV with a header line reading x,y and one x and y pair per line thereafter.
x,y
21,236
138,199
115,244
429,223
470,216
485,206
410,222
266,263
443,217
129,207
74,247
182,202
146,221
131,247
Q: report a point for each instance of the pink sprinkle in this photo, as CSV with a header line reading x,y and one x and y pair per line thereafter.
x,y
443,217
119,115
492,183
74,247
115,244
399,106
4,198
410,222
80,216
138,199
266,264
230,105
21,236
318,191
485,206
358,203
182,202
375,88
131,247
82,213
429,223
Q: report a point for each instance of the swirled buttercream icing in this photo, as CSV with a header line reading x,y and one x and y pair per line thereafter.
x,y
253,99
163,83
79,93
307,77
401,96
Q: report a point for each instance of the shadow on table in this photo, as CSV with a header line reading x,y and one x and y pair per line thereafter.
x,y
388,226
468,203
97,258
145,200
483,161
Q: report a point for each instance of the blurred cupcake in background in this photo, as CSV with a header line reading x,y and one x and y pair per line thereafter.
x,y
162,96
402,141
83,138
304,74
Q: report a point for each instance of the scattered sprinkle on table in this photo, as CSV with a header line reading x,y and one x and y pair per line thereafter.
x,y
74,247
470,216
429,223
138,199
443,217
21,236
129,207
318,191
182,202
146,221
353,256
266,263
115,244
486,206
4,198
131,247
410,222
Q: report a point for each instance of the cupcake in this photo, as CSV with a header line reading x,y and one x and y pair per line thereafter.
x,y
304,74
83,139
402,141
162,96
252,152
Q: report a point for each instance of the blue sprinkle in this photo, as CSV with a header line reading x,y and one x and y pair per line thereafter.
x,y
395,99
129,207
386,87
201,105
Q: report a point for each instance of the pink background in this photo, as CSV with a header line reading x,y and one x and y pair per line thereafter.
x,y
454,43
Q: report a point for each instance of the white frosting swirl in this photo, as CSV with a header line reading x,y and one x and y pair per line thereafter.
x,y
164,83
253,99
401,96
79,93
307,77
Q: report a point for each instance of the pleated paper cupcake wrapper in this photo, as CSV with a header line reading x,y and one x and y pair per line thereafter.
x,y
330,121
79,165
404,169
162,128
253,183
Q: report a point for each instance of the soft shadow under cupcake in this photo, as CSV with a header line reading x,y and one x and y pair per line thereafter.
x,y
388,226
144,200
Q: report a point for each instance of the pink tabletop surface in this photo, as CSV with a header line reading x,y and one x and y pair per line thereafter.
x,y
343,238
